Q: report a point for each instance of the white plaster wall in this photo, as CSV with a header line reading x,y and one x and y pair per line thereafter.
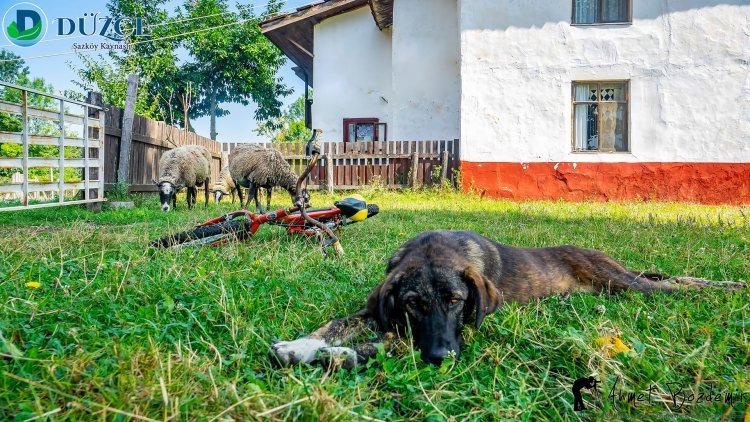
x,y
352,71
425,103
688,63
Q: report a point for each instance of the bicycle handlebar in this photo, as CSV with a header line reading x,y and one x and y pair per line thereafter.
x,y
313,150
301,201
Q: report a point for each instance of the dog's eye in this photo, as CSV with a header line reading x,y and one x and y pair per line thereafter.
x,y
455,300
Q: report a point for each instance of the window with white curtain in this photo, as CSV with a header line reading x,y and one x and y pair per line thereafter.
x,y
600,116
587,12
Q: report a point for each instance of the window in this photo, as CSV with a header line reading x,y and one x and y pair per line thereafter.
x,y
364,130
600,116
601,11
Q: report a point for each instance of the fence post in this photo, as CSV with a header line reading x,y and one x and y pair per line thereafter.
x,y
414,167
443,167
25,135
95,98
224,159
329,173
123,170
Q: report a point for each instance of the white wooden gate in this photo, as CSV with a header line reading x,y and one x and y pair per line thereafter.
x,y
49,121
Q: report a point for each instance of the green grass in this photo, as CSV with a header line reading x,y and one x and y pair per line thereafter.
x,y
116,331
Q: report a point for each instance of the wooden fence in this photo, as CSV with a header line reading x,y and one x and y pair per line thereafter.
x,y
391,164
150,140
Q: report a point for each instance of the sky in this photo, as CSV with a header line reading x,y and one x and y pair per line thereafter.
x,y
236,127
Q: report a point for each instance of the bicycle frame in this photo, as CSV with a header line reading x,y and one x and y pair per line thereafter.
x,y
302,201
294,222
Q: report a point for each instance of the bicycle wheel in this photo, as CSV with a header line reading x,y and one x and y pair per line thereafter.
x,y
230,230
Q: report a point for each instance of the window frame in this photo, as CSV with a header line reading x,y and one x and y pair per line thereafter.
x,y
365,120
628,21
573,103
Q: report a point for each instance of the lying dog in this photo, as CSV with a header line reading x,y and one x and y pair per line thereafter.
x,y
441,279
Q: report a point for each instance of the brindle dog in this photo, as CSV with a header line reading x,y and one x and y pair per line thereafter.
x,y
441,279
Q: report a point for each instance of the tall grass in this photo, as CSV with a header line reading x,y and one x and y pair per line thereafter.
x,y
115,331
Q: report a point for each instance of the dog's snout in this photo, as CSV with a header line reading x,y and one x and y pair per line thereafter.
x,y
437,355
165,207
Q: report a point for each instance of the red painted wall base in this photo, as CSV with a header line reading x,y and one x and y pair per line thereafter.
x,y
708,183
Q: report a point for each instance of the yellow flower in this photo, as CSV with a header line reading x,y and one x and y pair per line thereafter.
x,y
401,233
34,284
612,345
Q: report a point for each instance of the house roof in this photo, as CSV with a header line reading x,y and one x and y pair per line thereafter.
x,y
382,11
293,32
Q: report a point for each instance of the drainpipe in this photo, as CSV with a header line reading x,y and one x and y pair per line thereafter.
x,y
308,104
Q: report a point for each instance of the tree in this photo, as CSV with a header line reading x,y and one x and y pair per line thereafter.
x,y
153,58
289,127
235,62
110,79
228,61
12,67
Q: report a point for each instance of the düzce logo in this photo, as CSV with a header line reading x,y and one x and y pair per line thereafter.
x,y
25,24
578,385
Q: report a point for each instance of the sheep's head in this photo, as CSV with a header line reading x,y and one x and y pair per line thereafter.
x,y
167,192
218,194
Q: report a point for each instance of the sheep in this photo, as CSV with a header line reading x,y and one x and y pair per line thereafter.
x,y
224,186
187,166
260,167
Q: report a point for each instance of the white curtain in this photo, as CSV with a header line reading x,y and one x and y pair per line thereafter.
x,y
586,11
581,93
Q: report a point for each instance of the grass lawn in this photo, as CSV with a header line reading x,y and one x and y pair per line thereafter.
x,y
117,332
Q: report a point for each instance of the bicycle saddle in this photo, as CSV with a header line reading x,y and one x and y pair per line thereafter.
x,y
353,208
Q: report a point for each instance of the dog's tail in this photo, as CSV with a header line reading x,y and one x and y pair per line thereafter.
x,y
652,276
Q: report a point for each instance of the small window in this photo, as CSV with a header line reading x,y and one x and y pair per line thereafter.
x,y
587,12
600,116
364,130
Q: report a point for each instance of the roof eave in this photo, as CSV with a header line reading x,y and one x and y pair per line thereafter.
x,y
382,12
293,32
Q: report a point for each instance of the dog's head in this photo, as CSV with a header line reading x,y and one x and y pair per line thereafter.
x,y
434,297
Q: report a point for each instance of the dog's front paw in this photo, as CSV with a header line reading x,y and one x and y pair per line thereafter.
x,y
288,353
334,357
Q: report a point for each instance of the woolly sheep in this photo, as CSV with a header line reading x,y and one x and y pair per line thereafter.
x,y
224,186
260,167
187,166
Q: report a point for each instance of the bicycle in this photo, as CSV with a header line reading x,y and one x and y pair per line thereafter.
x,y
298,219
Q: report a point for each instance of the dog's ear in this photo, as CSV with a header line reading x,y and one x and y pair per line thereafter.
x,y
395,259
483,295
381,303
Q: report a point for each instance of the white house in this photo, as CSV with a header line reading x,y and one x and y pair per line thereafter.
x,y
571,99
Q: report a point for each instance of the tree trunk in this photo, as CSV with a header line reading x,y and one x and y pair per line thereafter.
x,y
212,112
185,109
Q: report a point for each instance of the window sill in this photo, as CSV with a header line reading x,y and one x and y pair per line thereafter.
x,y
602,152
603,24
